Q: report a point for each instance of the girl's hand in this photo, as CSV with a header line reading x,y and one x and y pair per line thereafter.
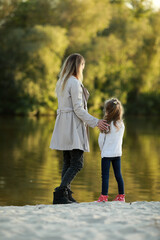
x,y
103,125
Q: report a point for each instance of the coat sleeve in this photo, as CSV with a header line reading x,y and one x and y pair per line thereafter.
x,y
76,95
101,140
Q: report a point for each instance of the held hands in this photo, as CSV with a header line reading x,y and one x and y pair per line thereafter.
x,y
103,125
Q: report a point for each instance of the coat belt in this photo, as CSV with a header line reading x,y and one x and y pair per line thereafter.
x,y
66,110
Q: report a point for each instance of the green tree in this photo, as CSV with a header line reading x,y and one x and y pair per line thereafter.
x,y
7,7
121,50
81,19
30,62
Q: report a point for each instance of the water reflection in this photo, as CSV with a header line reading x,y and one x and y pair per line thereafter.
x,y
29,170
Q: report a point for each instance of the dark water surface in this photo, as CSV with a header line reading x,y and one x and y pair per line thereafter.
x,y
29,170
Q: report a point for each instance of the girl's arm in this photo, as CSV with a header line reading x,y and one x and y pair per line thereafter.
x,y
101,140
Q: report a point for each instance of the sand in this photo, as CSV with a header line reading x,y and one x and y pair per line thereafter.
x,y
111,220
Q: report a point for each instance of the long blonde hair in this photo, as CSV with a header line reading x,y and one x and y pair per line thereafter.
x,y
113,111
71,66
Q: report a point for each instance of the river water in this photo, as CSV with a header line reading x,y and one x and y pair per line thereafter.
x,y
29,170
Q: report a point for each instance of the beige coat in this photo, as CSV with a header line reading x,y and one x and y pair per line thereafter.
x,y
70,130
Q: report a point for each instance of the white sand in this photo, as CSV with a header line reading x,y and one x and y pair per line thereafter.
x,y
111,220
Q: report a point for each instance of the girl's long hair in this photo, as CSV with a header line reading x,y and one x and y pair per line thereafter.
x,y
113,112
71,66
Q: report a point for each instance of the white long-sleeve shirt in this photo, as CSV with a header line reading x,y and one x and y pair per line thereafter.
x,y
111,143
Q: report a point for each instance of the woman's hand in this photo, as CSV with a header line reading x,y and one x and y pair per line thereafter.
x,y
103,125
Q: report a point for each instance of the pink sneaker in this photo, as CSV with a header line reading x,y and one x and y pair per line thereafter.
x,y
120,197
103,198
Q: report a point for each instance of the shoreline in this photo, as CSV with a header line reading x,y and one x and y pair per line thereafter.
x,y
118,220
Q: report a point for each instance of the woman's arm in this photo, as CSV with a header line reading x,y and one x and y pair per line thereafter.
x,y
76,95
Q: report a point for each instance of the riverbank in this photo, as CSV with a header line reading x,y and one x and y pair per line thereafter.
x,y
115,220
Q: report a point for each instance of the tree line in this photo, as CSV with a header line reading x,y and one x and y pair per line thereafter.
x,y
119,39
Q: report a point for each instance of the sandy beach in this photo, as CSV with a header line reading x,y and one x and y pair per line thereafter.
x,y
111,220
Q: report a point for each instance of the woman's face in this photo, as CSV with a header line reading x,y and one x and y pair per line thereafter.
x,y
82,65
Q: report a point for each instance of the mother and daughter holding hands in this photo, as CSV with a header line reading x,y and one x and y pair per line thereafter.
x,y
70,133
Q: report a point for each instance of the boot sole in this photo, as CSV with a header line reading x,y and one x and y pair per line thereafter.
x,y
61,203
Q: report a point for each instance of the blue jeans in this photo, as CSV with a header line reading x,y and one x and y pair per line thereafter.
x,y
116,163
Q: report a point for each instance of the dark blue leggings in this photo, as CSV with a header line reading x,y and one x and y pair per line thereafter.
x,y
116,163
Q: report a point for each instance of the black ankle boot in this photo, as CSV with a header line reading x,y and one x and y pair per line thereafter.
x,y
60,196
70,196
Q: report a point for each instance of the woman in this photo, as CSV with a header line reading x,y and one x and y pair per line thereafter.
x,y
70,133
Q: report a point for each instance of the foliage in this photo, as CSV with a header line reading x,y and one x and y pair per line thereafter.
x,y
30,62
122,52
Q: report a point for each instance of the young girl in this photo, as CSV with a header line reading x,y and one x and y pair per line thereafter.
x,y
110,144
